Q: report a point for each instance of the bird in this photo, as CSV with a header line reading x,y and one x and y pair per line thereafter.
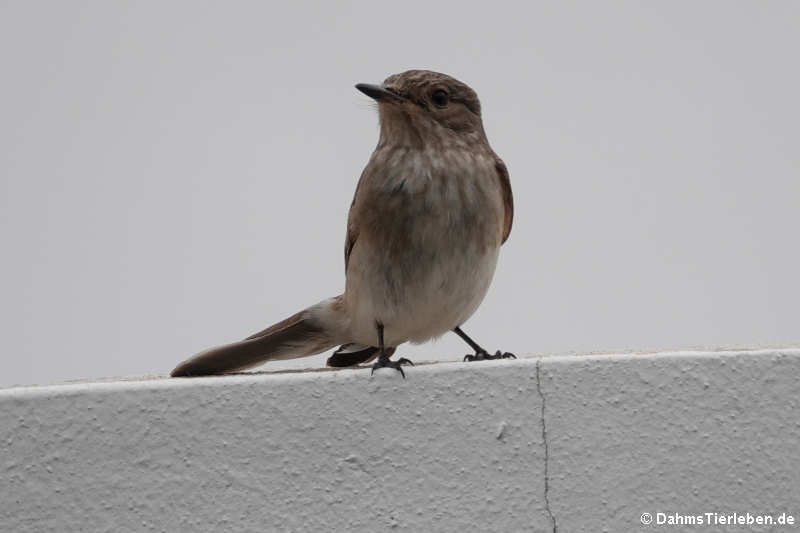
x,y
431,210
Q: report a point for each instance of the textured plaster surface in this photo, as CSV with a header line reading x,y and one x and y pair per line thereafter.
x,y
586,442
454,447
684,433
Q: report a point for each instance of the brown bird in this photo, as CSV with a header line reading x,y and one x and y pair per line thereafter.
x,y
430,212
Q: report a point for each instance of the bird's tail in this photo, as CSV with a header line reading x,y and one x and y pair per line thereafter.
x,y
309,332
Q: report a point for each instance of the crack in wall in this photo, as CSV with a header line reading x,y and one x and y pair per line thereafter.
x,y
546,451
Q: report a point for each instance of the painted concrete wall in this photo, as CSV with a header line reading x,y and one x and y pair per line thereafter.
x,y
588,442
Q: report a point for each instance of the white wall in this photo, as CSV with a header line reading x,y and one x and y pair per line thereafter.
x,y
453,447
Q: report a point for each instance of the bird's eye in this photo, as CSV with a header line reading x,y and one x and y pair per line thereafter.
x,y
439,98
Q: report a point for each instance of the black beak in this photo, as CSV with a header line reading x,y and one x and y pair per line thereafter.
x,y
378,92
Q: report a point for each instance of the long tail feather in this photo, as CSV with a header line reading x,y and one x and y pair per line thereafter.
x,y
308,332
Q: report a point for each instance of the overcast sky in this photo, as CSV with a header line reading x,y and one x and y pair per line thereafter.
x,y
176,175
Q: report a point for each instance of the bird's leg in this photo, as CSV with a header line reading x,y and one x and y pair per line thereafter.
x,y
480,353
383,359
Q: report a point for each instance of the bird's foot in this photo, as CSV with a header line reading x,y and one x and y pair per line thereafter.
x,y
385,362
485,356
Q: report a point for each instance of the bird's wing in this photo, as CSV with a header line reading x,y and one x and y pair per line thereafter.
x,y
352,226
508,198
349,242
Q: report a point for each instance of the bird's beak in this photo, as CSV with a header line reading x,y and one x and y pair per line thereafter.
x,y
379,92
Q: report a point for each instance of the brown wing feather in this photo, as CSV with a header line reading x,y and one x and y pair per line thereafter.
x,y
349,242
352,232
508,198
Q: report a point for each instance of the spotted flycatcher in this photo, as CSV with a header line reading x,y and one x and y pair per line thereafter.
x,y
430,212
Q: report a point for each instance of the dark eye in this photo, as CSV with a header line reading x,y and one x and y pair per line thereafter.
x,y
439,98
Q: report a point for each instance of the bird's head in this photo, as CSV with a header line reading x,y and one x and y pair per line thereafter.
x,y
421,106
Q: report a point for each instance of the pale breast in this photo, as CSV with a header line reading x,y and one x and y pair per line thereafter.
x,y
430,226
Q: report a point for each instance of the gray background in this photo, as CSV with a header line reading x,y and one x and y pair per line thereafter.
x,y
176,175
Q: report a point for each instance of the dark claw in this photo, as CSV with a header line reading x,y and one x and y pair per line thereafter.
x,y
483,356
388,363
